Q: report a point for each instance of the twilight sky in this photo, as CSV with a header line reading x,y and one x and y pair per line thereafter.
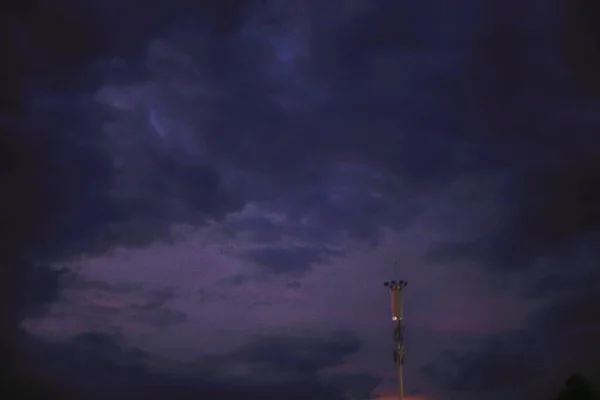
x,y
202,199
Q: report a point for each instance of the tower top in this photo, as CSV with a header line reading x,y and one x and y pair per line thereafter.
x,y
395,285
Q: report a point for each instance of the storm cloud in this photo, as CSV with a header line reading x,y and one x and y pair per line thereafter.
x,y
271,158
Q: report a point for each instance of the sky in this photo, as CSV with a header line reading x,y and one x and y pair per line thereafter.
x,y
202,199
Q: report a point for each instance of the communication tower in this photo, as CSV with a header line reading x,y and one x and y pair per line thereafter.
x,y
396,288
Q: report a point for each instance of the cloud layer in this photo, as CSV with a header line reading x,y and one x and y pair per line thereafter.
x,y
222,181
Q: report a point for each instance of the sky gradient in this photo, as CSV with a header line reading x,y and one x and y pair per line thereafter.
x,y
202,199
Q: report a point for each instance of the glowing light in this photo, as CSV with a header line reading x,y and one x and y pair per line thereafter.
x,y
394,318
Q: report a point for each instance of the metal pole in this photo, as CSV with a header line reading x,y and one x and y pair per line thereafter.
x,y
400,383
400,346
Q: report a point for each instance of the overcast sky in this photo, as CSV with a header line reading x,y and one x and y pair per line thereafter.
x,y
204,198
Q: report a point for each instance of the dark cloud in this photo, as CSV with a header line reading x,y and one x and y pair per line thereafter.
x,y
555,283
262,228
135,301
256,130
545,243
44,285
266,230
346,199
294,285
572,313
582,44
497,368
287,149
60,184
160,318
552,208
237,279
295,361
87,360
291,149
75,175
304,356
552,196
548,248
531,363
294,261
96,365
158,298
381,28
123,287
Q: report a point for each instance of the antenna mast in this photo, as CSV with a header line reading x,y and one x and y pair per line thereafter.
x,y
395,288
